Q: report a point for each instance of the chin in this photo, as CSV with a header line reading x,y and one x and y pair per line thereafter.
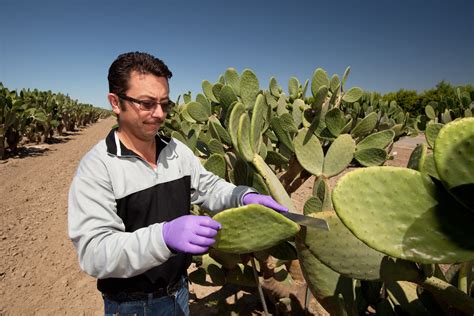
x,y
153,129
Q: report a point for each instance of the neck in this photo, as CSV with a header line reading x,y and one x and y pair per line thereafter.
x,y
146,149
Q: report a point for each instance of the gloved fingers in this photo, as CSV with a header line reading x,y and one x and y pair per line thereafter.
x,y
271,203
196,249
205,231
202,241
206,221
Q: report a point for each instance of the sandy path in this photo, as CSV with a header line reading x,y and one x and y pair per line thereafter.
x,y
39,272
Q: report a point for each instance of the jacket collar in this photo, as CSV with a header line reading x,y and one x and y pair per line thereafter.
x,y
117,148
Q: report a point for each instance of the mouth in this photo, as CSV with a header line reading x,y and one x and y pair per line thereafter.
x,y
154,123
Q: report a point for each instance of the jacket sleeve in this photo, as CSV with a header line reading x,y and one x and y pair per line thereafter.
x,y
98,233
212,192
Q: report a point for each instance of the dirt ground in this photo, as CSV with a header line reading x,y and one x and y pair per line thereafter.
x,y
39,272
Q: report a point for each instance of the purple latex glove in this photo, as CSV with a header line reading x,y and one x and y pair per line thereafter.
x,y
265,200
190,233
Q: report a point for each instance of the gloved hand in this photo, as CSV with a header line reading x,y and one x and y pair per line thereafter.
x,y
265,200
190,233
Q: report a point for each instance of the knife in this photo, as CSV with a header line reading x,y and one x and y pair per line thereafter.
x,y
306,220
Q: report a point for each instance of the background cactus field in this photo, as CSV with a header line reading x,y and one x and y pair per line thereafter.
x,y
400,214
37,116
387,225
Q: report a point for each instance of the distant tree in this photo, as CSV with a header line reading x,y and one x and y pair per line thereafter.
x,y
408,100
442,92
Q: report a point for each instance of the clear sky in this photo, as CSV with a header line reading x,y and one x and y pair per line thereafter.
x,y
68,46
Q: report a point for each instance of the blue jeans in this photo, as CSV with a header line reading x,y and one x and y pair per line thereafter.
x,y
176,304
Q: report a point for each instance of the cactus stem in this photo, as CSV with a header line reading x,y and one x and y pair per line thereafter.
x,y
259,286
449,294
463,283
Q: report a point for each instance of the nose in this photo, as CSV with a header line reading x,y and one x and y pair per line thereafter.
x,y
158,112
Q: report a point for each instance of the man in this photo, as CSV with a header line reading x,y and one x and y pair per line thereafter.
x,y
130,199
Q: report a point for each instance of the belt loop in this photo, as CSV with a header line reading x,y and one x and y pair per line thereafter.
x,y
150,299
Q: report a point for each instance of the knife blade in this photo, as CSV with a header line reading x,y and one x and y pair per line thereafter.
x,y
306,220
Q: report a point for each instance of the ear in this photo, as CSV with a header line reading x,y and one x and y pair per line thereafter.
x,y
114,102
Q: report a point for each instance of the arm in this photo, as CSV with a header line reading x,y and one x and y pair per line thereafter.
x,y
212,192
98,233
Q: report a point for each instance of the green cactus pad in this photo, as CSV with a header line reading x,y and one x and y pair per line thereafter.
x,y
275,158
232,79
371,156
377,140
215,146
216,90
431,132
242,173
283,136
283,251
199,277
309,152
249,88
402,213
185,115
297,111
227,260
335,83
274,185
207,89
293,86
392,270
274,87
403,295
345,75
312,205
335,121
259,184
203,100
258,120
430,112
252,228
417,157
323,192
287,123
325,283
237,110
339,155
282,105
241,275
216,164
227,96
179,137
454,159
219,132
429,167
320,78
365,126
320,97
243,134
353,95
197,111
217,275
340,250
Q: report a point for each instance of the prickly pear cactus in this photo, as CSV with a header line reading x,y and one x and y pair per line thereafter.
x,y
252,228
340,250
406,208
454,159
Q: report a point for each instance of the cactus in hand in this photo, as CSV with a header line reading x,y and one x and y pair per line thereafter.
x,y
252,228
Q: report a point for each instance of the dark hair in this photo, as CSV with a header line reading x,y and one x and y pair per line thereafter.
x,y
121,68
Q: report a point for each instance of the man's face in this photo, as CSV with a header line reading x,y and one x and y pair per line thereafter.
x,y
133,120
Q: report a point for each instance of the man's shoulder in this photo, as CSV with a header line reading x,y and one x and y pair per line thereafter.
x,y
95,157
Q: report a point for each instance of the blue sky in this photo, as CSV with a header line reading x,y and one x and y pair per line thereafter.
x,y
68,46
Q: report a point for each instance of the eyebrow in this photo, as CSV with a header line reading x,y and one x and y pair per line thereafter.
x,y
145,96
